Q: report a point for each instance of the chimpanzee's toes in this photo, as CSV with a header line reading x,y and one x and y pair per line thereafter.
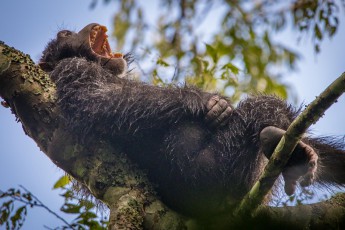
x,y
302,164
301,167
218,111
290,187
312,156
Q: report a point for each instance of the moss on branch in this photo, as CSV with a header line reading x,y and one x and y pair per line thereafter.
x,y
103,168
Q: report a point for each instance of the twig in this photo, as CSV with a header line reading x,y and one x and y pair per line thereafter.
x,y
40,204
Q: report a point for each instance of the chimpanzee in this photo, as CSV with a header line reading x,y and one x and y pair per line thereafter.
x,y
202,154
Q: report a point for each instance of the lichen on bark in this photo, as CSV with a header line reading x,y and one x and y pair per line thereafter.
x,y
100,166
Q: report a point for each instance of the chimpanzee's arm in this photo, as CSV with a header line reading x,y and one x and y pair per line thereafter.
x,y
92,98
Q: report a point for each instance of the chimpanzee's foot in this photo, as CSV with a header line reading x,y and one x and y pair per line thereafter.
x,y
302,164
218,113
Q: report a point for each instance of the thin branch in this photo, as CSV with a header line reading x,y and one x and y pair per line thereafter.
x,y
288,143
40,204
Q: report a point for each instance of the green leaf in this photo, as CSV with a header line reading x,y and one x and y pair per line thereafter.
x,y
212,52
161,62
19,216
68,194
87,204
4,216
70,208
231,67
317,48
321,14
27,196
205,65
8,205
87,215
64,180
156,80
332,30
291,198
318,33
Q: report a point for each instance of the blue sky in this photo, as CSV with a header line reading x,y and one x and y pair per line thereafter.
x,y
28,26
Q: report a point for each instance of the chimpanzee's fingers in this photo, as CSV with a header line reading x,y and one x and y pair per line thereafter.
x,y
290,178
222,119
311,166
213,100
219,111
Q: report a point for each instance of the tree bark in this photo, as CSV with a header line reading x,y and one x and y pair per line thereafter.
x,y
109,174
104,169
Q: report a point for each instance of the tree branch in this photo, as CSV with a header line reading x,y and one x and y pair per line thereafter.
x,y
104,168
288,143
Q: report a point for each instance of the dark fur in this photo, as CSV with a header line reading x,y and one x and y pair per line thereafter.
x,y
199,171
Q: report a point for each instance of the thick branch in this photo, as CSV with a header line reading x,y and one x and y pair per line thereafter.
x,y
104,168
329,214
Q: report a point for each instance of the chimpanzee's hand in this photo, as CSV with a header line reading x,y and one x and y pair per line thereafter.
x,y
302,164
218,113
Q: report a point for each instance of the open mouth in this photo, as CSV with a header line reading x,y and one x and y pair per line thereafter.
x,y
99,43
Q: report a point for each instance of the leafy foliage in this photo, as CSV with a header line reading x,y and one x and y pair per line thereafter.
x,y
11,218
241,33
16,203
319,17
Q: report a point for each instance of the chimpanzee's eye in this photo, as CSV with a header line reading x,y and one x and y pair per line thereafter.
x,y
64,33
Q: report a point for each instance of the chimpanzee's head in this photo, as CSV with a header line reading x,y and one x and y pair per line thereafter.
x,y
90,43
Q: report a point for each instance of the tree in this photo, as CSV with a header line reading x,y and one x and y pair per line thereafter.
x,y
242,32
32,99
48,132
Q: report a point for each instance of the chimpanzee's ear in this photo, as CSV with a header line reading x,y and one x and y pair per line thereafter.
x,y
45,66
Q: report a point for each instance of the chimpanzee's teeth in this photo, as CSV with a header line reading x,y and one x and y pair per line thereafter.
x,y
93,34
99,43
105,48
